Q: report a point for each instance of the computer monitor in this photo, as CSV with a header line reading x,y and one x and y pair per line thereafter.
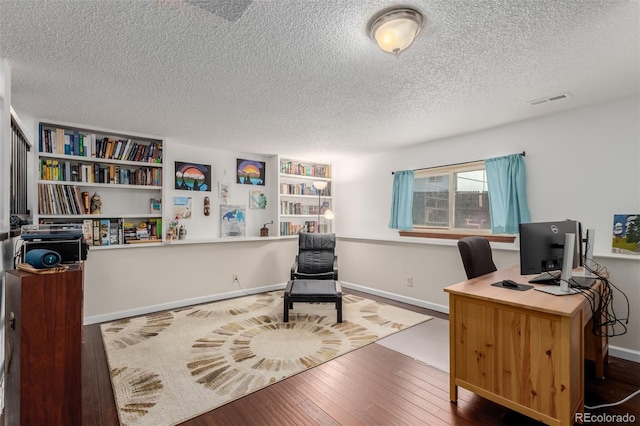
x,y
542,246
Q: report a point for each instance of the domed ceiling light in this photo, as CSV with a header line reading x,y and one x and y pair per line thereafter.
x,y
394,31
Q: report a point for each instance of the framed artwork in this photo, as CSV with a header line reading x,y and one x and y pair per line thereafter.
x,y
155,205
257,200
232,221
192,176
250,172
626,234
182,207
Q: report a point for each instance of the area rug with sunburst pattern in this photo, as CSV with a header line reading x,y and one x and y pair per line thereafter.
x,y
171,366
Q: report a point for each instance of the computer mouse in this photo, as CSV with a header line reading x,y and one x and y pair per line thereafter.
x,y
509,283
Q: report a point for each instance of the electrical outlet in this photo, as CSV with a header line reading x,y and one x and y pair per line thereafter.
x,y
235,277
409,281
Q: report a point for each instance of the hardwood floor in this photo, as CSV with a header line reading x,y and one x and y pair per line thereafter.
x,y
373,385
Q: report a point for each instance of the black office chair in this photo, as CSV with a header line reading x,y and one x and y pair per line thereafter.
x,y
476,256
316,258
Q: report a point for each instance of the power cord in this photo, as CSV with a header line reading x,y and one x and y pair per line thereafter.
x,y
601,301
237,280
613,404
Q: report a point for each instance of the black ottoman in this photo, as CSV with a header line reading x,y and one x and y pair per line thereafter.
x,y
322,291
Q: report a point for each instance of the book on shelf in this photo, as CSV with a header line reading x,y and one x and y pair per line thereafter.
x,y
109,150
114,231
302,169
87,228
311,226
116,149
140,153
86,203
129,230
154,225
81,147
323,228
124,150
125,176
96,233
60,146
142,233
66,194
66,171
155,205
105,234
290,228
59,199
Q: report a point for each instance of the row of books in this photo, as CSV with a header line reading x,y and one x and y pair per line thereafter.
x,y
57,141
303,189
294,168
66,171
289,207
105,232
61,199
290,228
128,150
73,142
312,226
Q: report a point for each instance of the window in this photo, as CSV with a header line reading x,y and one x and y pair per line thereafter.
x,y
20,146
452,198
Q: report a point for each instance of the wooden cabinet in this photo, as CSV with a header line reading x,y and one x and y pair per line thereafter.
x,y
125,171
43,338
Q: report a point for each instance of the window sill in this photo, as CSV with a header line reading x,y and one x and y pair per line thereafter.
x,y
448,235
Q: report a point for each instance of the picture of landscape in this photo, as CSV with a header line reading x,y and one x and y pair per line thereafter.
x,y
626,234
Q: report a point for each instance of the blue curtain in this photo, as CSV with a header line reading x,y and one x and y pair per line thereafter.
x,y
402,201
506,180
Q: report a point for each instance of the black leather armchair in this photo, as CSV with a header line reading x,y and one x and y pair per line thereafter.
x,y
476,256
316,258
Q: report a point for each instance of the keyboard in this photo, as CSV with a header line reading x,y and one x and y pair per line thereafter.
x,y
546,278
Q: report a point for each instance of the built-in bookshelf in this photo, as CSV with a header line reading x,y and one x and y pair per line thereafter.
x,y
77,166
302,204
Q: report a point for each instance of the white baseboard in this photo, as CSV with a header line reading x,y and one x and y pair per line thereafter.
x,y
178,304
624,353
410,300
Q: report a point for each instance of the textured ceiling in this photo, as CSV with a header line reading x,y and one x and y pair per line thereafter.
x,y
302,78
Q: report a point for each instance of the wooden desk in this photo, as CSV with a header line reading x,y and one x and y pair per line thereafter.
x,y
522,349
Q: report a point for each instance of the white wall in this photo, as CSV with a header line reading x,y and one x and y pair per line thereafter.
x,y
208,227
583,164
135,280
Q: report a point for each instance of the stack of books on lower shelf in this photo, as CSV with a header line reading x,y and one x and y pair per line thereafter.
x,y
107,232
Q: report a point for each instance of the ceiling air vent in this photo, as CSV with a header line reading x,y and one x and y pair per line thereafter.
x,y
549,99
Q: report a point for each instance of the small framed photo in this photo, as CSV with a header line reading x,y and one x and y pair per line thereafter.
x,y
250,172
